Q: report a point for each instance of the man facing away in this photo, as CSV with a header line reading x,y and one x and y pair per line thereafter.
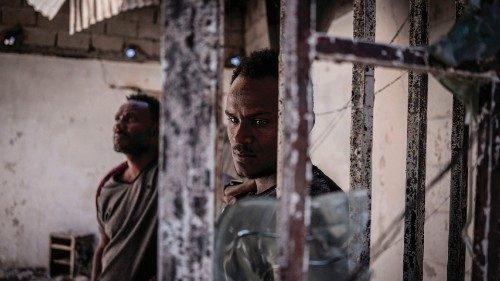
x,y
127,197
252,113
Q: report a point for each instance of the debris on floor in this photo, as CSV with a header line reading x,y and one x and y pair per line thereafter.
x,y
24,274
34,274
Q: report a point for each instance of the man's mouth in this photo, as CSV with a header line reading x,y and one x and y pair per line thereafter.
x,y
119,135
242,151
244,155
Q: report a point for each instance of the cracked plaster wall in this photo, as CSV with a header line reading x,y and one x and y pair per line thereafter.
x,y
55,144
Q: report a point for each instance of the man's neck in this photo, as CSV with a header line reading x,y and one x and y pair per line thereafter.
x,y
137,163
265,183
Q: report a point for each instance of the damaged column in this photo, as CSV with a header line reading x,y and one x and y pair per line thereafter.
x,y
295,120
191,69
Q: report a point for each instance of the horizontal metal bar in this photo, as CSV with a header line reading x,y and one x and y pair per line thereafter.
x,y
414,58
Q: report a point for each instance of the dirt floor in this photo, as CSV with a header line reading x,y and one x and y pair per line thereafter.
x,y
33,274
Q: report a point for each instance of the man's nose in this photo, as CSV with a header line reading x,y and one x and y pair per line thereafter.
x,y
243,134
118,125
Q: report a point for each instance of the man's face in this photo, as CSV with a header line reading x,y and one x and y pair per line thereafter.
x,y
252,112
134,131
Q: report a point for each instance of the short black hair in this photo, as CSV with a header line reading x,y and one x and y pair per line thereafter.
x,y
260,64
153,104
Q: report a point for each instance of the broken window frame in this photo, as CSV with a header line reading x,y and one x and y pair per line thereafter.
x,y
190,130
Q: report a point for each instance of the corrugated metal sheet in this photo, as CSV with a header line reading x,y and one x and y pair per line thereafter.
x,y
48,8
84,13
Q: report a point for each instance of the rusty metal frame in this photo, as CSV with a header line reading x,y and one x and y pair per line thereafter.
x,y
458,184
486,265
413,255
415,58
295,120
191,62
362,100
190,114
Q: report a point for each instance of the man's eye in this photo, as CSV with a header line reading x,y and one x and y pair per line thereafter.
x,y
260,122
232,120
129,118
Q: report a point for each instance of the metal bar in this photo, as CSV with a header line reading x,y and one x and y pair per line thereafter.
x,y
294,168
410,58
458,192
413,255
486,265
221,133
458,184
191,68
362,131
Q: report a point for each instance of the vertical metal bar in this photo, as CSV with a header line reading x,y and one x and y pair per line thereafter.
x,y
294,168
219,115
413,255
191,68
458,186
486,265
362,129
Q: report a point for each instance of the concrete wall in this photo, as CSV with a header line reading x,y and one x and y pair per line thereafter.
x,y
234,35
256,30
139,27
55,144
330,138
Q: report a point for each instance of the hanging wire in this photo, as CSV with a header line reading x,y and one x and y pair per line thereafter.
x,y
347,106
335,120
323,136
381,89
400,28
390,83
387,237
382,244
430,215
